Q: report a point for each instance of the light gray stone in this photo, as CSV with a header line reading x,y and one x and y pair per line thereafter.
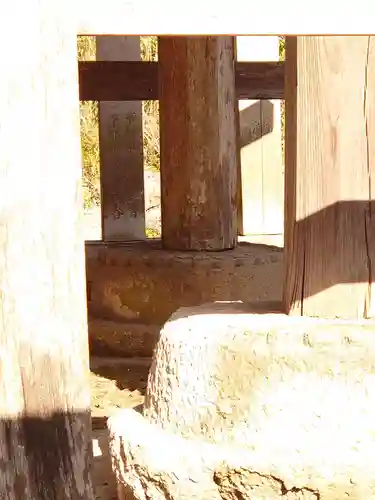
x,y
153,464
266,396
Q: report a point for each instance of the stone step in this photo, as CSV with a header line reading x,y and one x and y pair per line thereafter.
x,y
113,338
140,282
103,361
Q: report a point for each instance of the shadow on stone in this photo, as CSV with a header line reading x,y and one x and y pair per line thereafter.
x,y
129,374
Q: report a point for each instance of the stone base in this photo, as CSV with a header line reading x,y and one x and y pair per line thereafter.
x,y
134,287
152,464
245,402
111,338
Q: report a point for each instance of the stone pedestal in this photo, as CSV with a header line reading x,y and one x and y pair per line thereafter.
x,y
133,288
246,402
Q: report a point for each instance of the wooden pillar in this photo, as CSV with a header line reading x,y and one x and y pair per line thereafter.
x,y
262,176
329,176
121,151
45,427
198,143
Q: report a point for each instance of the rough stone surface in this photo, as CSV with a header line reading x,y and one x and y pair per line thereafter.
x,y
139,283
124,339
286,403
153,464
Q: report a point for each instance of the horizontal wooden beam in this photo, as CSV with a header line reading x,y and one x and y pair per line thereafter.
x,y
260,80
138,81
132,17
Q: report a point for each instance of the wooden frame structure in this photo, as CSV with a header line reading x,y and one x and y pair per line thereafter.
x,y
138,81
132,81
329,224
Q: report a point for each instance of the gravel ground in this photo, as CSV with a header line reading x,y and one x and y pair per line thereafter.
x,y
115,383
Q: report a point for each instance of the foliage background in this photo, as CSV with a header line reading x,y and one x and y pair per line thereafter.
x,y
86,49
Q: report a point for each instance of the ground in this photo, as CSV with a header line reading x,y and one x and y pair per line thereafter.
x,y
118,383
115,383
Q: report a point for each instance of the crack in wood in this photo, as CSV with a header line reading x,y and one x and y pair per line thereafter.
x,y
367,304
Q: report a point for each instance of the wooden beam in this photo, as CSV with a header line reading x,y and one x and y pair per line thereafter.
x,y
118,81
131,17
260,80
329,176
198,143
121,152
45,428
138,81
240,225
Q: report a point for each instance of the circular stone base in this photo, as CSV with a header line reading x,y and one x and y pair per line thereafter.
x,y
297,395
153,464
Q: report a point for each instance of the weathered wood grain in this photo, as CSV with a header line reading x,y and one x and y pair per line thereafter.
x,y
45,428
198,143
137,81
121,152
329,176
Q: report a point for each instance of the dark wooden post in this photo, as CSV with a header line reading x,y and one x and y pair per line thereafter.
x,y
45,428
121,151
329,176
198,143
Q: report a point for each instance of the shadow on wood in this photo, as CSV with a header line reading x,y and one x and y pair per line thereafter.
x,y
251,127
334,247
46,458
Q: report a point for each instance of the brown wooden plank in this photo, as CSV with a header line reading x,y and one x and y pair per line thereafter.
x,y
260,80
118,81
329,176
198,143
138,81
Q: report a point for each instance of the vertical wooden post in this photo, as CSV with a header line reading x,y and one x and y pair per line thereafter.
x,y
198,143
329,176
121,151
45,427
262,185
